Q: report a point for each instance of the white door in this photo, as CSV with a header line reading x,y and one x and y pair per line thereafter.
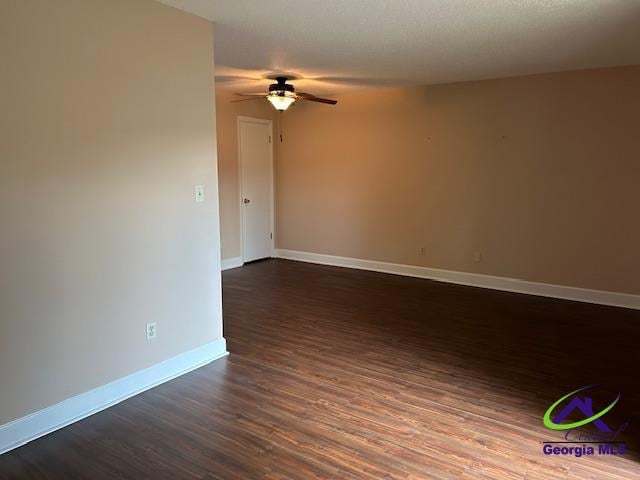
x,y
254,138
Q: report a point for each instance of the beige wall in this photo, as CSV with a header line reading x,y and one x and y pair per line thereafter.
x,y
540,174
228,168
106,124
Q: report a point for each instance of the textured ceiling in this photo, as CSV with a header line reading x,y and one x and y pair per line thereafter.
x,y
338,44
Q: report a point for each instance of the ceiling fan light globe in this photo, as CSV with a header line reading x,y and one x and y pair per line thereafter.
x,y
281,102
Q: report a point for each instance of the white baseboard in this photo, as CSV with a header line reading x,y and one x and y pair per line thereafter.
x,y
229,263
26,429
471,279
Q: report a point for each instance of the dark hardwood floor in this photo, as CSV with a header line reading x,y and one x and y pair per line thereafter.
x,y
344,374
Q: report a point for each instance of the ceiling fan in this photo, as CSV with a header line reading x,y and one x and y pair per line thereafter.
x,y
283,94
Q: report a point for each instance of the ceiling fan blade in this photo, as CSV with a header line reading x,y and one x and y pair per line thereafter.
x,y
313,98
248,98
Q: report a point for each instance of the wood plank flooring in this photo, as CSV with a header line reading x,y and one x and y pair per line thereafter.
x,y
344,374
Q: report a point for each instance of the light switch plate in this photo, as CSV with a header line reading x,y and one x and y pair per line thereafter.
x,y
199,193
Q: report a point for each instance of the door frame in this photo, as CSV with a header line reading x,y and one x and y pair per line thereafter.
x,y
243,119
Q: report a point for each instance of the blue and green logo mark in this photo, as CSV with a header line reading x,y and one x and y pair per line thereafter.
x,y
604,437
584,405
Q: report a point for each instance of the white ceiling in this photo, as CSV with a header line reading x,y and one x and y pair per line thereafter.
x,y
339,44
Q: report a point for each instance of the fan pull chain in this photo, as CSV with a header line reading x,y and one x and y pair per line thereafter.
x,y
280,125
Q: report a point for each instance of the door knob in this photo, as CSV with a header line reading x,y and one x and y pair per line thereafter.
x,y
246,200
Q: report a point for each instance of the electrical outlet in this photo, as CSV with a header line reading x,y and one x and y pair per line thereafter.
x,y
151,331
423,251
477,257
199,193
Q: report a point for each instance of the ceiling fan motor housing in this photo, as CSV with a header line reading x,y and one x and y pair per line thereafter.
x,y
281,87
